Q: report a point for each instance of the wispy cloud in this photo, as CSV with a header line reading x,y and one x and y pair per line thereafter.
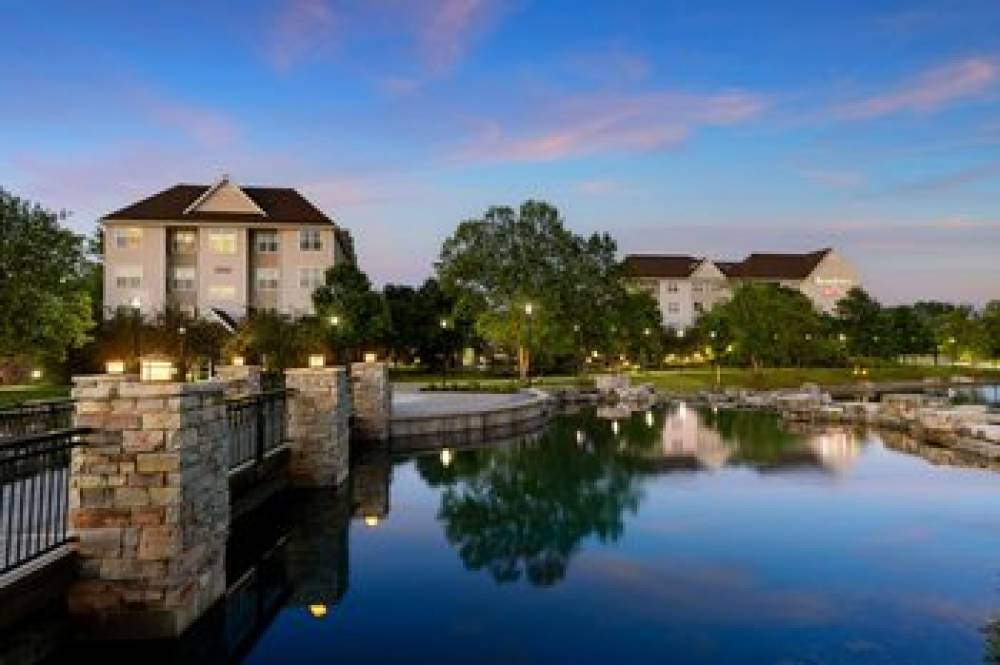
x,y
834,178
450,27
202,124
932,90
302,28
598,123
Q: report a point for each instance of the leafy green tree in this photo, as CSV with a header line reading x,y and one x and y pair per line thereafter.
x,y
767,325
416,315
354,315
863,324
44,300
960,334
495,266
275,341
990,322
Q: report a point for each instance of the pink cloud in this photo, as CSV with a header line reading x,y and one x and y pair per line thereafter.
x,y
204,125
449,28
587,124
931,90
303,27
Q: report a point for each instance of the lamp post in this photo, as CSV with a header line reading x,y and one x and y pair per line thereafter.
x,y
444,352
528,311
136,305
182,332
335,323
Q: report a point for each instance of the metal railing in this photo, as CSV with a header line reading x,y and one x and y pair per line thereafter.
x,y
35,418
257,425
34,495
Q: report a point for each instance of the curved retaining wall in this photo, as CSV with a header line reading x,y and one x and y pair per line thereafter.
x,y
435,430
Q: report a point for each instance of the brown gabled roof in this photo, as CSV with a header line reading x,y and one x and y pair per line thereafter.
x,y
777,266
728,268
645,265
280,204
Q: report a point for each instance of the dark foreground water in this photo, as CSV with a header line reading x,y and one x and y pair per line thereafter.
x,y
671,536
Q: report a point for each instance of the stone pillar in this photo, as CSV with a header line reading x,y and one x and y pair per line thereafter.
x,y
372,396
149,504
239,379
318,426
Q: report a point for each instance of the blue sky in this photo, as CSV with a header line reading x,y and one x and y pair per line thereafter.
x,y
711,128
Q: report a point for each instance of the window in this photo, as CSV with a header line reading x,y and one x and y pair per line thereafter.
x,y
309,240
128,277
671,287
267,241
129,238
222,242
184,242
182,278
673,307
223,270
267,278
310,278
222,291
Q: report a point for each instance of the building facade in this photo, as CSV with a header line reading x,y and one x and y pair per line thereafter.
x,y
686,286
221,248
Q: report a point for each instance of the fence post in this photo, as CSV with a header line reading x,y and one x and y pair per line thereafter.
x,y
149,503
318,412
372,400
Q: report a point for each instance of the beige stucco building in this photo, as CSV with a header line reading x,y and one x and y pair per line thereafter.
x,y
222,247
686,286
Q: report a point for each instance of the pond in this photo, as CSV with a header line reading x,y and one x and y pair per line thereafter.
x,y
671,535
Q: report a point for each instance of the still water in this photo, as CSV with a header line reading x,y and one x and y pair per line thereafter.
x,y
675,536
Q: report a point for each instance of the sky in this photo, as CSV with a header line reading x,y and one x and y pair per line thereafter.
x,y
705,128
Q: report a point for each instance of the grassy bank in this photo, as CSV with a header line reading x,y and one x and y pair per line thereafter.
x,y
11,395
704,378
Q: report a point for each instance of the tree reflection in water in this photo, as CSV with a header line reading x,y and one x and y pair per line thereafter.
x,y
992,636
521,510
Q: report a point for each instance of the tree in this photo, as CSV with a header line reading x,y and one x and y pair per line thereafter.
x,y
416,316
767,324
863,324
43,290
276,341
354,315
493,267
990,321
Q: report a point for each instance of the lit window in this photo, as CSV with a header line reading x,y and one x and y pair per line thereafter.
x,y
128,277
310,278
309,240
129,238
184,242
267,241
267,278
183,278
671,287
222,291
222,242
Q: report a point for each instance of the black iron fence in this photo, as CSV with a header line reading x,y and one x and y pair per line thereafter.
x,y
257,425
35,418
34,494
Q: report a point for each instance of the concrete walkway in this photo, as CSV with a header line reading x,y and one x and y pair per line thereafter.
x,y
414,404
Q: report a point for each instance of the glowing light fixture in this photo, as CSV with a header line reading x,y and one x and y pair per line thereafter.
x,y
115,367
446,457
370,358
579,436
529,308
649,419
318,610
334,320
36,374
238,361
153,369
317,360
371,521
614,427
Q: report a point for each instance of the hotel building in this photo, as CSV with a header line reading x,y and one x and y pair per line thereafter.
x,y
686,286
221,248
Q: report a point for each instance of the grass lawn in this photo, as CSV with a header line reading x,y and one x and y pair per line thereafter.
x,y
703,378
11,395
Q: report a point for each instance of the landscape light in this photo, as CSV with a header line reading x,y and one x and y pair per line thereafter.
x,y
153,369
444,324
649,419
579,436
36,374
371,358
238,361
446,457
614,427
529,308
317,360
680,333
371,521
115,367
318,610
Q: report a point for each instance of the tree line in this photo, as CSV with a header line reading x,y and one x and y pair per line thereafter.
x,y
515,285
